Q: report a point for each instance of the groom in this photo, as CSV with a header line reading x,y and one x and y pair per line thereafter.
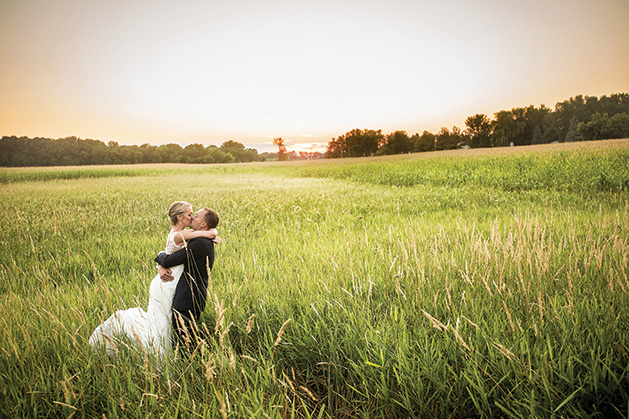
x,y
191,293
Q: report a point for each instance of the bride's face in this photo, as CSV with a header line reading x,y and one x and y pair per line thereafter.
x,y
186,217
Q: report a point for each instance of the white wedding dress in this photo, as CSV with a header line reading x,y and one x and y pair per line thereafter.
x,y
151,328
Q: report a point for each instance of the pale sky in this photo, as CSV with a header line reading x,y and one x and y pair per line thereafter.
x,y
205,71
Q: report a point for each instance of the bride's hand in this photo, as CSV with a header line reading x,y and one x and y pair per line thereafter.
x,y
165,274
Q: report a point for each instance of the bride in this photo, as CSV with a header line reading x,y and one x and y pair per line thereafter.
x,y
151,329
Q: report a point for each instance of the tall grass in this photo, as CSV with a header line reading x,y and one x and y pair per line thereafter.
x,y
330,297
569,171
12,175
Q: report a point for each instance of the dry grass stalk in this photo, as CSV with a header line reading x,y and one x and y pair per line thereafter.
x,y
185,335
111,342
223,407
232,358
195,335
64,404
209,368
471,322
221,338
207,332
435,323
540,306
68,394
220,314
249,358
460,339
509,317
289,382
309,393
280,333
138,339
507,353
250,324
236,296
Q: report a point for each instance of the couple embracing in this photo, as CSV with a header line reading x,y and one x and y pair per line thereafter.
x,y
177,294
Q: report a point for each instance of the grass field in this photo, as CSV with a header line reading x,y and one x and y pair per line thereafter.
x,y
452,284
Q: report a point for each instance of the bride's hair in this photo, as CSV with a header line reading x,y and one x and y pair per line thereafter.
x,y
177,209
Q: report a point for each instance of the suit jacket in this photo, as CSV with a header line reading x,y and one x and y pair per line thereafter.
x,y
191,291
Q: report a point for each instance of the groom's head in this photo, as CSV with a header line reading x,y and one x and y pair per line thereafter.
x,y
204,219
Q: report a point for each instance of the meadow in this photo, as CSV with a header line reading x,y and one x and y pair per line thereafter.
x,y
453,284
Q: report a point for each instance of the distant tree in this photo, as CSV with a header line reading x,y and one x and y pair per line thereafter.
x,y
593,130
217,155
194,153
240,153
130,154
169,153
617,126
534,123
335,148
573,133
355,143
75,151
558,122
602,127
281,148
424,142
613,104
396,142
361,143
11,151
479,129
505,129
234,148
537,135
148,153
449,140
520,135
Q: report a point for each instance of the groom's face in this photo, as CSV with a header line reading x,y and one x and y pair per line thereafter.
x,y
198,220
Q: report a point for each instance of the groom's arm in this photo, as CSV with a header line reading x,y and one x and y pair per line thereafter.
x,y
176,258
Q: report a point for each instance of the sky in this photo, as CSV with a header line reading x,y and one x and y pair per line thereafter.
x,y
205,71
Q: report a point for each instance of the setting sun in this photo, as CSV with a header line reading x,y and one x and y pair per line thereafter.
x,y
154,72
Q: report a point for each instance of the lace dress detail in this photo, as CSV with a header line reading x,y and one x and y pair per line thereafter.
x,y
170,242
152,328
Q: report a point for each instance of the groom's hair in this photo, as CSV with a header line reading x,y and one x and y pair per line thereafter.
x,y
210,218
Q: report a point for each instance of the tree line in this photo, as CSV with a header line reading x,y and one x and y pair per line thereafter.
x,y
580,118
73,151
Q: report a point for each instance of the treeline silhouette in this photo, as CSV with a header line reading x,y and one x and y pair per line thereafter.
x,y
581,118
72,151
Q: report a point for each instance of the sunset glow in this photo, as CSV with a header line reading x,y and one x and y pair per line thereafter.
x,y
205,71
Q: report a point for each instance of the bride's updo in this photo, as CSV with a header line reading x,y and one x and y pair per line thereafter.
x,y
177,209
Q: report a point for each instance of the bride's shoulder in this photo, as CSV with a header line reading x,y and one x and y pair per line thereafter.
x,y
172,234
170,242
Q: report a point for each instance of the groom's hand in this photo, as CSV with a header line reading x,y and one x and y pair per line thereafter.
x,y
165,274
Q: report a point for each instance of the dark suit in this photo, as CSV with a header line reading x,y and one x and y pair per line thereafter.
x,y
191,292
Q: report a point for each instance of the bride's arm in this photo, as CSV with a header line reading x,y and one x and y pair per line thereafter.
x,y
189,235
